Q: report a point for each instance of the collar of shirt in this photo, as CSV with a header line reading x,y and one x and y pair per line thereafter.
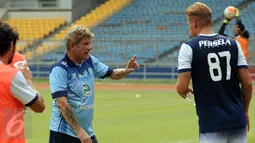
x,y
214,34
71,63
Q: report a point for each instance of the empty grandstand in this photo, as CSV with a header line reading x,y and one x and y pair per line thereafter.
x,y
151,29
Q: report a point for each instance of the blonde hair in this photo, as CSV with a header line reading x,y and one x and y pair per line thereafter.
x,y
76,34
201,12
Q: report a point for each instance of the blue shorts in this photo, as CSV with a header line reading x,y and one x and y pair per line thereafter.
x,y
234,136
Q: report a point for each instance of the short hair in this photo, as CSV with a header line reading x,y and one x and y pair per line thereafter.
x,y
7,35
200,12
76,34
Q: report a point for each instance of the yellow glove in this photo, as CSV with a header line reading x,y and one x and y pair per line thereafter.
x,y
237,12
226,21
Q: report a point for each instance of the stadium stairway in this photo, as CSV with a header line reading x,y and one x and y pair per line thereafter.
x,y
89,20
96,16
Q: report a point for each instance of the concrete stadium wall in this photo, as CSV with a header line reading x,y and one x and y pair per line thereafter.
x,y
3,13
69,9
67,4
81,7
67,14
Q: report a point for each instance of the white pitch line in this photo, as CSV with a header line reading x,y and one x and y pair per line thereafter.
x,y
186,141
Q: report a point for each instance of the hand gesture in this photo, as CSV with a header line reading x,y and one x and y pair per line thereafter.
x,y
132,65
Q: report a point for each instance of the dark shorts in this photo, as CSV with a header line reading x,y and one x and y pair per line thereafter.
x,y
57,137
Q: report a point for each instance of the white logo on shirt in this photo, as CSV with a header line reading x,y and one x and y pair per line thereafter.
x,y
84,107
83,75
64,63
74,76
86,90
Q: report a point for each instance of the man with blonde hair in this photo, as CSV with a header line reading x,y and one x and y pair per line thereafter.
x,y
72,88
216,64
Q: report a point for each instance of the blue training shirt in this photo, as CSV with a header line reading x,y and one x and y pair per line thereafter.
x,y
213,61
76,82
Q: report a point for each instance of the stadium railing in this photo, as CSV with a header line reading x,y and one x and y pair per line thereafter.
x,y
41,70
147,71
110,50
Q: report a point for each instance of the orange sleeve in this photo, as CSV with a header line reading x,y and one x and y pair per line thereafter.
x,y
244,45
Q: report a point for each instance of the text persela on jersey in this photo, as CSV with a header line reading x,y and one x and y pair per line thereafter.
x,y
215,43
213,61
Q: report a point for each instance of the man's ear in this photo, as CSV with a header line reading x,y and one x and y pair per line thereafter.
x,y
194,23
73,47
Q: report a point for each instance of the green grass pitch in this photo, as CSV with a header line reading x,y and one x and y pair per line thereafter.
x,y
120,117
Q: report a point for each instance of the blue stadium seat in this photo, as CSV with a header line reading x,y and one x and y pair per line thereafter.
x,y
152,27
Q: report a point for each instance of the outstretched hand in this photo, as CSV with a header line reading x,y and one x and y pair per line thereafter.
x,y
132,65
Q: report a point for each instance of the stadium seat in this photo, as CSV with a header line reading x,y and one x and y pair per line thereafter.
x,y
147,28
35,29
96,16
41,49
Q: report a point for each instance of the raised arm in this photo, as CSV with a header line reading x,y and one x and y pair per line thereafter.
x,y
223,27
122,72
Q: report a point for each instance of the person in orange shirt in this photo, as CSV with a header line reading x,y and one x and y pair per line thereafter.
x,y
16,92
240,32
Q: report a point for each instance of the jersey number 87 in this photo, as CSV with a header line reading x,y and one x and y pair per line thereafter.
x,y
216,65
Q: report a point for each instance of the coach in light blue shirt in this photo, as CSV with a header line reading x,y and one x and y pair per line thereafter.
x,y
72,88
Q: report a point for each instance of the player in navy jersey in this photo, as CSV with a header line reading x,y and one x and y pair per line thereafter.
x,y
72,88
216,64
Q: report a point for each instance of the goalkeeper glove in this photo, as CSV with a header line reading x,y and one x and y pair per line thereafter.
x,y
226,20
237,12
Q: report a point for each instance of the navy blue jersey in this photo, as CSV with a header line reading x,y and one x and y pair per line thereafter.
x,y
213,61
